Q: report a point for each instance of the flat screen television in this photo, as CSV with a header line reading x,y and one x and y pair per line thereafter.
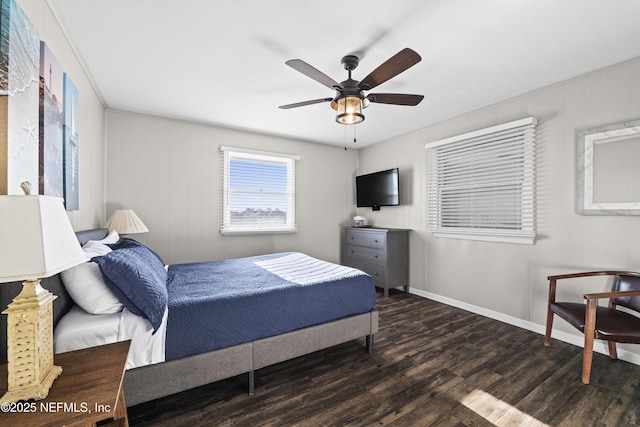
x,y
378,189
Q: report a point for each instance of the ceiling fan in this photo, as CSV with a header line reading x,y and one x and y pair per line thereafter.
x,y
350,98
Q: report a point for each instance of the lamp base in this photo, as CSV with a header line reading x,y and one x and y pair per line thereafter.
x,y
30,367
37,392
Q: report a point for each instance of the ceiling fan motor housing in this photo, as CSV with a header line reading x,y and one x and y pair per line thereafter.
x,y
349,88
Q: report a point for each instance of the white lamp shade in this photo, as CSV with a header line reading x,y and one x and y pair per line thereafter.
x,y
125,221
36,238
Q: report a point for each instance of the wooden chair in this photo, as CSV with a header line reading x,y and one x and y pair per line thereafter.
x,y
597,322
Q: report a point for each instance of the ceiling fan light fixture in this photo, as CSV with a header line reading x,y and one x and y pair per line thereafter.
x,y
349,110
350,99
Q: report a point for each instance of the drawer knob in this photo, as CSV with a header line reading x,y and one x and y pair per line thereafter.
x,y
375,256
375,274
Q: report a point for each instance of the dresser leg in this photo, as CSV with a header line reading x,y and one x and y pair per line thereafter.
x,y
120,416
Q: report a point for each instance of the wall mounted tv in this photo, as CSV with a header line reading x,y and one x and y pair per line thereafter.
x,y
378,189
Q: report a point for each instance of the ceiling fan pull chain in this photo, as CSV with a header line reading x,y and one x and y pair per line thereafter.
x,y
354,134
345,138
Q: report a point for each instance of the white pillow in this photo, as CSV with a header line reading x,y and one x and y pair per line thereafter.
x,y
111,238
95,248
86,286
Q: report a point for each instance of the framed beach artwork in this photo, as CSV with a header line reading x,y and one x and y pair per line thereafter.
x,y
19,93
70,145
51,95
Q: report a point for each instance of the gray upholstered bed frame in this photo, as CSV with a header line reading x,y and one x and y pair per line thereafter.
x,y
154,381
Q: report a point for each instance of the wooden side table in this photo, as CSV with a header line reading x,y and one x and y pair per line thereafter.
x,y
88,391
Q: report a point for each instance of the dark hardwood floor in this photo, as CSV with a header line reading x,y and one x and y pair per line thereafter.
x,y
432,365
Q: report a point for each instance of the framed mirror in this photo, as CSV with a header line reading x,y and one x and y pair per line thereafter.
x,y
608,170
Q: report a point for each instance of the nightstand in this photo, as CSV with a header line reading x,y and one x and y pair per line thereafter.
x,y
88,391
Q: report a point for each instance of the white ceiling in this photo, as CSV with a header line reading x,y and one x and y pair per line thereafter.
x,y
223,62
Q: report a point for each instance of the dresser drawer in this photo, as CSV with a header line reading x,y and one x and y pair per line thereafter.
x,y
370,254
376,271
365,238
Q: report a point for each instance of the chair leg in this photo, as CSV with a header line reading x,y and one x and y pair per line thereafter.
x,y
587,358
589,336
552,299
613,353
547,335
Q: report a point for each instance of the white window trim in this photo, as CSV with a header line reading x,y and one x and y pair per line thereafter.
x,y
525,235
291,226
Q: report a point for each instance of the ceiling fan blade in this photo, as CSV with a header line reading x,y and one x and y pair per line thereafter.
x,y
395,98
393,66
315,74
303,103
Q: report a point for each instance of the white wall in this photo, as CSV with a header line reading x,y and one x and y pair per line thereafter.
x,y
168,172
91,128
510,279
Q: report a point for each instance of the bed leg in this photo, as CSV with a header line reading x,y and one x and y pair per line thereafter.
x,y
251,382
369,343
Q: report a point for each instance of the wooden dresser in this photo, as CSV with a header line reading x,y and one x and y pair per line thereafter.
x,y
383,253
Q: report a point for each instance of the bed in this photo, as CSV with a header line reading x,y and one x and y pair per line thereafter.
x,y
263,310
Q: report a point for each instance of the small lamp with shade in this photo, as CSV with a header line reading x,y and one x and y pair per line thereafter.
x,y
125,221
37,241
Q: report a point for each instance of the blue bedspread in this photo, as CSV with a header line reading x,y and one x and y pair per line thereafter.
x,y
219,304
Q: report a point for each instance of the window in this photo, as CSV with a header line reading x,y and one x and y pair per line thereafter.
x,y
258,192
481,185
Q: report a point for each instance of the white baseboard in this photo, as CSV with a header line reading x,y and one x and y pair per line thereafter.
x,y
577,340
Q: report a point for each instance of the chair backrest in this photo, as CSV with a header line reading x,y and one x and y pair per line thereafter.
x,y
627,283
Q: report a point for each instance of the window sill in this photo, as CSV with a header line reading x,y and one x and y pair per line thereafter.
x,y
249,231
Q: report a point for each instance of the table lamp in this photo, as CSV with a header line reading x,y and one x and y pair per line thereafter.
x,y
125,221
36,241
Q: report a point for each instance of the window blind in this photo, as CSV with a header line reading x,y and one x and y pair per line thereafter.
x,y
481,185
258,193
